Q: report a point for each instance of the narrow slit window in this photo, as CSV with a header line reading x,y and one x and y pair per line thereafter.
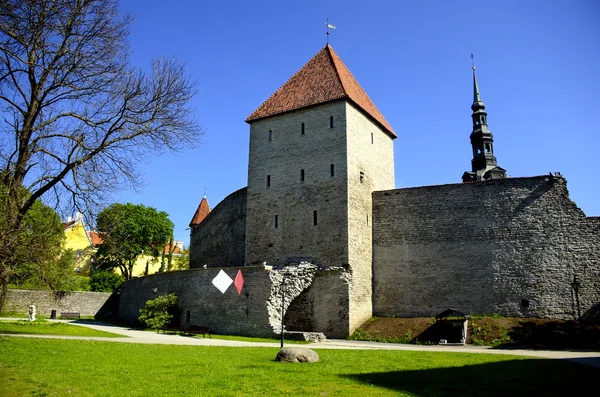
x,y
315,218
268,180
302,129
302,175
270,135
330,121
362,177
332,169
276,223
372,138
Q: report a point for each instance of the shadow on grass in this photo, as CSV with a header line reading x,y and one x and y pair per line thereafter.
x,y
535,377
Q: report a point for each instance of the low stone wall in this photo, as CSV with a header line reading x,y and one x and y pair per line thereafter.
x,y
86,303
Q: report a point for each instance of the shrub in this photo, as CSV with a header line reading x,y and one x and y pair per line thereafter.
x,y
105,281
155,314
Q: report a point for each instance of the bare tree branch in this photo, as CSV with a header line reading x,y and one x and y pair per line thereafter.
x,y
78,117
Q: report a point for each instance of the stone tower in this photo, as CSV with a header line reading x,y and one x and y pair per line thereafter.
x,y
483,165
318,148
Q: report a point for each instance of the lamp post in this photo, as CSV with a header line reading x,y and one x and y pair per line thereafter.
x,y
282,307
576,285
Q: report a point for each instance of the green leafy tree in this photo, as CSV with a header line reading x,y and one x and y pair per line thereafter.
x,y
129,231
76,115
156,313
41,261
105,281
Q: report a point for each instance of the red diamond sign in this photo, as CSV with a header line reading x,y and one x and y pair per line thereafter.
x,y
239,282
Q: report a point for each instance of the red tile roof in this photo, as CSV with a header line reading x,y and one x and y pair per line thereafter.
x,y
176,249
323,79
95,238
201,213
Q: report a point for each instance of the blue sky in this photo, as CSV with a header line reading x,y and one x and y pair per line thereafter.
x,y
538,68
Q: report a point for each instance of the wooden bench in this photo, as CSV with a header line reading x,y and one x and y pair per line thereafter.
x,y
197,330
70,315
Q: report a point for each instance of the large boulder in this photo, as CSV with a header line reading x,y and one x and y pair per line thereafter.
x,y
297,355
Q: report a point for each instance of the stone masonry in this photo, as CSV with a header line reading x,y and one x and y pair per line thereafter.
x,y
510,246
85,303
220,240
254,312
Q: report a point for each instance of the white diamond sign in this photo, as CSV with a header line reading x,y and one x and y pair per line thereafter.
x,y
222,281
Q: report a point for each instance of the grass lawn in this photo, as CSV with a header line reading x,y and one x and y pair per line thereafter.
x,y
50,328
89,368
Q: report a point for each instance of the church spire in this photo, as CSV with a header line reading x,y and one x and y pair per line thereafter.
x,y
476,96
483,165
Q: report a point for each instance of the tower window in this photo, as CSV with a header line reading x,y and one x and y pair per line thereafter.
x,y
487,148
268,180
315,219
302,129
362,177
332,169
302,175
330,121
276,222
270,135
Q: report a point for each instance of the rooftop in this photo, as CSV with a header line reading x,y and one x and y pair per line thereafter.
x,y
323,79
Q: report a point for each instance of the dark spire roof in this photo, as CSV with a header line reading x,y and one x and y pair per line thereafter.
x,y
323,79
477,102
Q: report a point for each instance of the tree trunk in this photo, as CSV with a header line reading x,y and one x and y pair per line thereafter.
x,y
4,278
171,249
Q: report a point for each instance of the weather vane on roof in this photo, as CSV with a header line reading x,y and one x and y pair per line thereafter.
x,y
329,26
472,62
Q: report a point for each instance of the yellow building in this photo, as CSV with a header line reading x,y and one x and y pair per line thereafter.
x,y
84,244
81,242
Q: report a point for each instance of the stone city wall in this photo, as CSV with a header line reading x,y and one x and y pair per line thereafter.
x,y
219,240
85,303
254,312
509,246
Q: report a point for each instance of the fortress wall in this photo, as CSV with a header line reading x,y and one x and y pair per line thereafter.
x,y
227,313
370,152
508,246
219,240
293,200
257,310
323,307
